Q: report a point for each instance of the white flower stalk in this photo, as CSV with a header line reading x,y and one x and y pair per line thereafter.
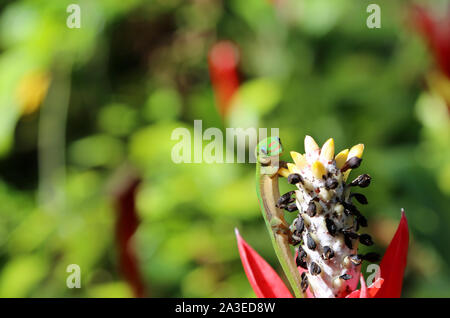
x,y
325,229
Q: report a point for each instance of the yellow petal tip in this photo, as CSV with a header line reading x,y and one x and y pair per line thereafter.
x,y
299,159
292,168
327,152
283,172
310,145
318,169
356,151
341,158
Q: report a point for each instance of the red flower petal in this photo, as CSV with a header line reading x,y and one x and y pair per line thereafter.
x,y
436,33
126,226
393,264
354,294
359,293
375,287
370,292
223,60
363,293
264,280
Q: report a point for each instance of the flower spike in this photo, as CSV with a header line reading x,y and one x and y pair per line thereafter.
x,y
325,231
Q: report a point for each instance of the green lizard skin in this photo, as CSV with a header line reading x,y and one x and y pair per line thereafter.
x,y
267,165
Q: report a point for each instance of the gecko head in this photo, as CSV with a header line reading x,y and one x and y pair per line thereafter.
x,y
269,147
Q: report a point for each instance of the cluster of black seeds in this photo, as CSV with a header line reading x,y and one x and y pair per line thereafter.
x,y
287,202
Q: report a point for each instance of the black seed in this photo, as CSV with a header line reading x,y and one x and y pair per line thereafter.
x,y
356,225
295,178
350,234
350,209
288,195
361,219
304,283
301,262
291,208
331,183
301,253
366,239
348,241
351,163
314,269
328,253
311,210
284,199
345,276
310,242
331,227
301,258
371,257
361,198
355,259
362,181
300,225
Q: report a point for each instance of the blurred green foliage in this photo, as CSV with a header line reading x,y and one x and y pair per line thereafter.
x,y
139,69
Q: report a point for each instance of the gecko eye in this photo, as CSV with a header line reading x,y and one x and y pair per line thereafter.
x,y
279,141
264,150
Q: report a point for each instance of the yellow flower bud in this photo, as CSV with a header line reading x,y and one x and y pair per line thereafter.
x,y
318,169
341,158
327,152
310,145
299,159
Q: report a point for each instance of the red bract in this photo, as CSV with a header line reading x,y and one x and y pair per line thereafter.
x,y
223,59
367,292
267,284
127,223
264,280
393,263
437,34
